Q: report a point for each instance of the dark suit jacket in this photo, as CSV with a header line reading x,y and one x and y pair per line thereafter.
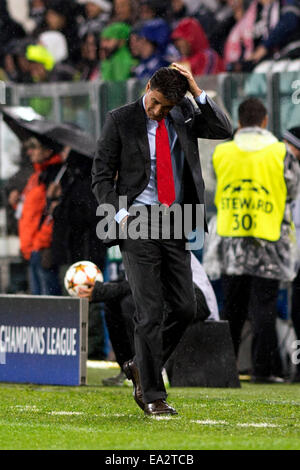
x,y
122,166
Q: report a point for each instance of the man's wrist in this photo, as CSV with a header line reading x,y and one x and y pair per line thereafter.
x,y
120,215
197,92
201,99
123,223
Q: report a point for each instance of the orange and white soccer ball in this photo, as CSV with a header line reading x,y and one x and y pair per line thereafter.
x,y
81,274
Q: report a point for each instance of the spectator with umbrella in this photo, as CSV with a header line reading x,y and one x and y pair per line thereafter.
x,y
35,225
70,187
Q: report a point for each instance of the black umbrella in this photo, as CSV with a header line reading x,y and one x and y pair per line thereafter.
x,y
70,135
17,118
25,123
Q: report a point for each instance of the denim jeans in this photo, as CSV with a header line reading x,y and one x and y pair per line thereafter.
x,y
42,281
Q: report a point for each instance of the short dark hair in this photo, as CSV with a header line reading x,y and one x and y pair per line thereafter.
x,y
170,83
252,112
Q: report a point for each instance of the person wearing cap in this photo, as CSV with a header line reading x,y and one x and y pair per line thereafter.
x,y
41,62
116,60
43,67
292,139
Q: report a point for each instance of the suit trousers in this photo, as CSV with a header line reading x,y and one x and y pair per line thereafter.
x,y
158,270
118,317
254,298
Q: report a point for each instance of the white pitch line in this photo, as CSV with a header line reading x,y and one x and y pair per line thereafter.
x,y
25,408
208,421
257,425
241,425
162,418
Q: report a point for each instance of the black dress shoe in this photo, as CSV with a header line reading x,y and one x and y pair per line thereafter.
x,y
159,407
132,373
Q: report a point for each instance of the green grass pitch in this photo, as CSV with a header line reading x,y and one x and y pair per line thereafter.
x,y
93,417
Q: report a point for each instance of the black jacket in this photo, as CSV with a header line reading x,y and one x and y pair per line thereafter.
x,y
122,166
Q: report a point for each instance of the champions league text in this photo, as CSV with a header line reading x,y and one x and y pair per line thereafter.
x,y
38,340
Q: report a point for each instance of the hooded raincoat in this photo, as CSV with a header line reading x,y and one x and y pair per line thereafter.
x,y
202,59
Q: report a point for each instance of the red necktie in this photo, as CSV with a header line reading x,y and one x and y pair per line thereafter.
x,y
164,170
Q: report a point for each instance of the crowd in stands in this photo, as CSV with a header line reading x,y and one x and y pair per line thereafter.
x,y
83,40
114,40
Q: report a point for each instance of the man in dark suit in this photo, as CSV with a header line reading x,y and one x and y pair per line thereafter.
x,y
147,158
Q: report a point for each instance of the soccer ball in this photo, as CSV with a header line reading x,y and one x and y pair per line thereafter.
x,y
81,274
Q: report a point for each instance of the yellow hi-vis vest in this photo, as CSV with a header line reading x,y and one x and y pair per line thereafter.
x,y
251,191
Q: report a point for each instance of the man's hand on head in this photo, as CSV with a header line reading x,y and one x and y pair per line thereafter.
x,y
193,87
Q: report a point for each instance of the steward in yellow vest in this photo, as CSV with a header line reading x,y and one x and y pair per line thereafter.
x,y
251,190
256,180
